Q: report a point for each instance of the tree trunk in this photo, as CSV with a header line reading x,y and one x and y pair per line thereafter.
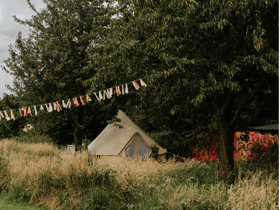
x,y
225,150
78,138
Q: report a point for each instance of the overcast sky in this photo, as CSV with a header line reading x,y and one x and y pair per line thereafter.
x,y
9,30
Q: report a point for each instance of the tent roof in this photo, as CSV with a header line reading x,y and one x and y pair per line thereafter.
x,y
113,139
267,127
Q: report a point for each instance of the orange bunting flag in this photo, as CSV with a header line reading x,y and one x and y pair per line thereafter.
x,y
82,100
25,113
118,90
58,107
75,100
143,83
88,99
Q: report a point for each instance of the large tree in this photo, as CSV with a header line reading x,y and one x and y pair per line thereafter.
x,y
47,65
204,62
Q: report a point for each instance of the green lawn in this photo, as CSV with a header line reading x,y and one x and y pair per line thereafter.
x,y
5,205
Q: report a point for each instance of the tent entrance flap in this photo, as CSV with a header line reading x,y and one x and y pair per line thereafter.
x,y
137,148
130,150
143,149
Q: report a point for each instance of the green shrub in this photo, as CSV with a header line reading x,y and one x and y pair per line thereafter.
x,y
106,196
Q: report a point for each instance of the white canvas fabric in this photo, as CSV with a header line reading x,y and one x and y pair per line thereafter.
x,y
113,140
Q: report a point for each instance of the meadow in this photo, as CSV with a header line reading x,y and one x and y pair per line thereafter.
x,y
34,172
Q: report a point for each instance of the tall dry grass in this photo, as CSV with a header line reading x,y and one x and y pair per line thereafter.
x,y
134,172
47,178
254,192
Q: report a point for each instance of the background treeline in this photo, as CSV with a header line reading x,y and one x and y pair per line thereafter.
x,y
211,68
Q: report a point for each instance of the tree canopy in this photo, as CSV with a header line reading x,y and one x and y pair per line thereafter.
x,y
209,67
47,65
206,62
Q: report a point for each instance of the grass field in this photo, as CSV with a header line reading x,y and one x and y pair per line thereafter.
x,y
35,173
6,205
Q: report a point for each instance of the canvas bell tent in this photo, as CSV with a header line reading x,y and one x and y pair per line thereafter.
x,y
123,139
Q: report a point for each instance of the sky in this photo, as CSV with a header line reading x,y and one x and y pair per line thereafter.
x,y
9,30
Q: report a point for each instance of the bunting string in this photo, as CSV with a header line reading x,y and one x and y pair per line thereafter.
x,y
102,94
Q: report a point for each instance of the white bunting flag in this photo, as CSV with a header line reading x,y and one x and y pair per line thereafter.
x,y
6,115
35,110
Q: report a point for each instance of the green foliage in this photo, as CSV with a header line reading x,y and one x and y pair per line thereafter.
x,y
47,65
102,197
204,63
154,148
10,128
210,67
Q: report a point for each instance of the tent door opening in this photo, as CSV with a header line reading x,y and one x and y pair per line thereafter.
x,y
137,148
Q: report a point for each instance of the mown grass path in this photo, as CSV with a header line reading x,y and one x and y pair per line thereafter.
x,y
4,205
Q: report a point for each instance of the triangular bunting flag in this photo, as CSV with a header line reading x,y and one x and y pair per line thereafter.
x,y
118,90
41,107
12,115
106,93
35,110
50,108
54,106
68,105
81,99
29,111
100,95
63,104
20,111
88,99
1,115
143,83
6,115
126,88
136,86
25,113
58,107
96,97
75,101
122,89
